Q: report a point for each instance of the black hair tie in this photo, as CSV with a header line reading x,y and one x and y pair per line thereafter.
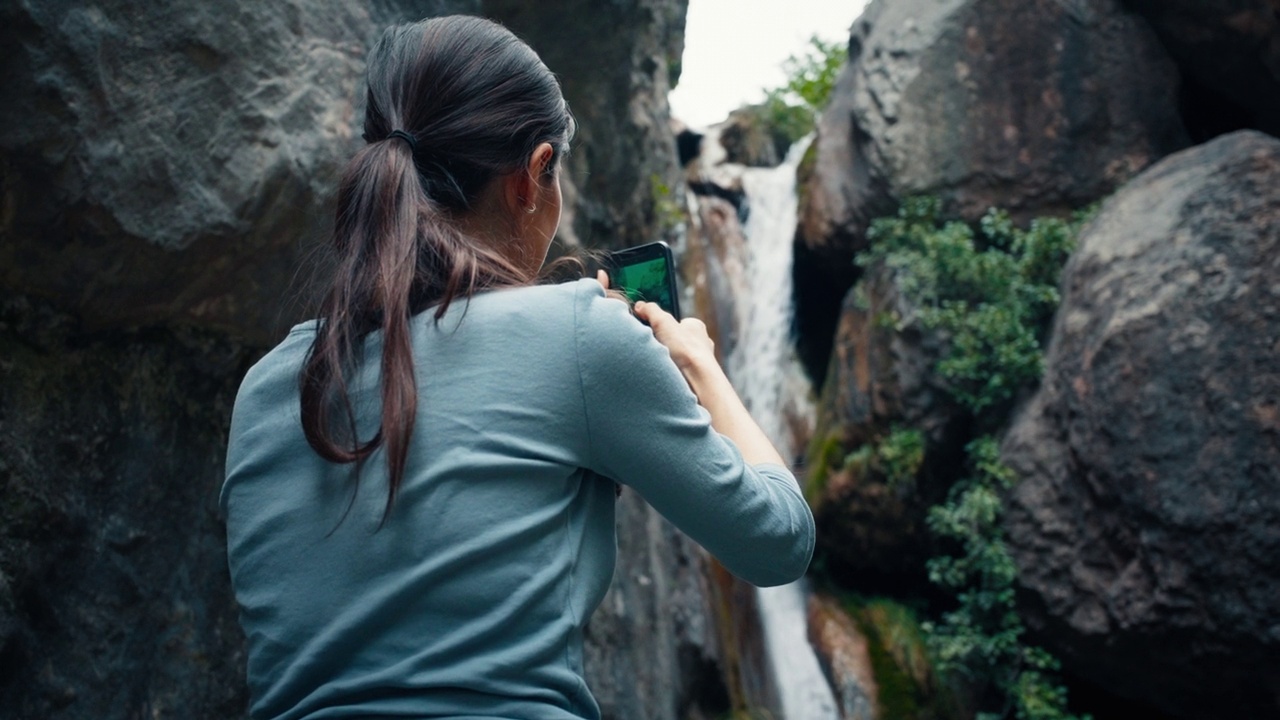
x,y
413,144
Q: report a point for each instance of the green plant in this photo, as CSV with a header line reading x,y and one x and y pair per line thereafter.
x,y
981,639
790,111
896,458
669,211
990,296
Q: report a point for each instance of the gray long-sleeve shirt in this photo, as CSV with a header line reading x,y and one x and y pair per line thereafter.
x,y
471,601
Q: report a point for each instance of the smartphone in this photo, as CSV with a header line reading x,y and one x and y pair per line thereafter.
x,y
648,273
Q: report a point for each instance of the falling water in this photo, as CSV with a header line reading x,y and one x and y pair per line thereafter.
x,y
765,370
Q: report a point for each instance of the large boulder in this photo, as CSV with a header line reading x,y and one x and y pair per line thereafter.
x,y
1146,524
172,162
1229,55
114,597
1036,106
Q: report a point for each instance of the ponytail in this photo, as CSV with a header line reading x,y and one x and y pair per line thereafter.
x,y
399,250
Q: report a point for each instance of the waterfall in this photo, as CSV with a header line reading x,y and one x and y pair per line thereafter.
x,y
767,374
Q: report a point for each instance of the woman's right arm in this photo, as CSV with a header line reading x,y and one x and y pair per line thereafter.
x,y
702,463
693,352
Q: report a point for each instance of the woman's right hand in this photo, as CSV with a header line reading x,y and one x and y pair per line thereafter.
x,y
687,340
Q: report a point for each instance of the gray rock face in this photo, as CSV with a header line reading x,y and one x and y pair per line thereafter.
x,y
114,597
617,61
1037,106
163,175
172,162
1146,526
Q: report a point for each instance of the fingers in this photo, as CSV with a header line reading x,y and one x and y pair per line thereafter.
x,y
653,314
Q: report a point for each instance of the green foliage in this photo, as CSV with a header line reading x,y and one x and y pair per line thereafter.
x,y
896,458
982,638
991,296
907,686
790,110
667,209
826,452
811,76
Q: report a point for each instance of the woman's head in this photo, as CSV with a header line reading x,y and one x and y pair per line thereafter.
x,y
456,192
476,98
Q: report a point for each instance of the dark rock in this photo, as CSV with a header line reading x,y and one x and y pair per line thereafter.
x,y
747,139
653,647
1035,106
613,60
172,162
1229,55
115,593
881,378
1146,526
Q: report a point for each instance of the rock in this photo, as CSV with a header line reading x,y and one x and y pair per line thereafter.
x,y
617,61
653,648
714,268
748,141
843,652
1146,525
116,595
173,163
1229,55
881,378
1039,107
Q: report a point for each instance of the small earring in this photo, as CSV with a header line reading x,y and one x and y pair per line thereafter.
x,y
531,209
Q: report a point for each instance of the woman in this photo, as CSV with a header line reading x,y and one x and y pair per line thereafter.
x,y
420,484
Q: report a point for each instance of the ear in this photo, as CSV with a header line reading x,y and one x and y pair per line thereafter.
x,y
524,186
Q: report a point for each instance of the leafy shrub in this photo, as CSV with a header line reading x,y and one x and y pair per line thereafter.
x,y
790,111
991,297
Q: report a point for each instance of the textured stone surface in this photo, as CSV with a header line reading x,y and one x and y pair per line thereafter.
x,y
1037,106
843,652
882,378
114,598
616,60
1146,526
172,161
714,268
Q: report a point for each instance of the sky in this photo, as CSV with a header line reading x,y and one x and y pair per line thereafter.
x,y
734,49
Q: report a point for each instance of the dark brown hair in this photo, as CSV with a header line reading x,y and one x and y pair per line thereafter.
x,y
477,101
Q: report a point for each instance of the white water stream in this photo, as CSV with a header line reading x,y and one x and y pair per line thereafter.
x,y
764,369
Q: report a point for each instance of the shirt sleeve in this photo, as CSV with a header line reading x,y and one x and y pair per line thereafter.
x,y
646,430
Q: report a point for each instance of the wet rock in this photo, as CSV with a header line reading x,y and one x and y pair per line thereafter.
x,y
881,379
1146,525
747,139
842,650
714,269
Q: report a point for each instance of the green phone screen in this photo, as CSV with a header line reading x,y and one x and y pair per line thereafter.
x,y
647,281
